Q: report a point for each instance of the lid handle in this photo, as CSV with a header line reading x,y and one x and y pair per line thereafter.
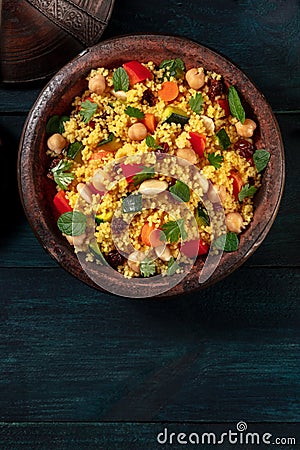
x,y
84,26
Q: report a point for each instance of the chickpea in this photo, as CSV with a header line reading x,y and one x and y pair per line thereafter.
x,y
120,95
56,143
208,124
134,261
137,132
234,222
245,129
97,84
195,78
188,155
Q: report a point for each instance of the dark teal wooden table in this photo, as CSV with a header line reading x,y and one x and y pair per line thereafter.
x,y
82,369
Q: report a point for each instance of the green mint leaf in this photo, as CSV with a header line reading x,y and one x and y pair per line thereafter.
x,y
62,121
181,190
215,160
56,124
223,138
110,138
173,230
173,68
196,103
172,267
72,223
145,174
120,80
134,112
61,177
246,191
235,104
147,267
133,203
261,159
74,149
62,166
202,217
228,242
87,110
150,141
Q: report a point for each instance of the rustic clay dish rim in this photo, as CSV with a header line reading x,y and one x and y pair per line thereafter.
x,y
31,197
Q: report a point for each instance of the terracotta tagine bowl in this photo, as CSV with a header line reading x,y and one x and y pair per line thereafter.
x,y
37,190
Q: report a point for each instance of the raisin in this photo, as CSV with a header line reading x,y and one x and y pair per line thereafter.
x,y
148,97
118,225
53,164
115,259
244,148
160,151
215,87
104,115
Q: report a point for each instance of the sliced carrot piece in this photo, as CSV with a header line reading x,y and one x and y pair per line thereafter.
x,y
99,155
237,183
145,233
169,91
150,122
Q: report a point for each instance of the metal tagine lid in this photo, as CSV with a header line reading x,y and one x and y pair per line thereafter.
x,y
39,36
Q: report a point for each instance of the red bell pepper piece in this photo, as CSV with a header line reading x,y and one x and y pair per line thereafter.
x,y
137,72
61,202
130,170
237,183
194,248
223,102
198,141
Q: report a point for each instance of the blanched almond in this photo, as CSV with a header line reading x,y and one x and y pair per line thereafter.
x,y
153,187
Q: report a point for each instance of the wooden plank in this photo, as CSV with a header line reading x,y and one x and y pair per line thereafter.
x,y
238,30
19,246
17,99
138,436
68,352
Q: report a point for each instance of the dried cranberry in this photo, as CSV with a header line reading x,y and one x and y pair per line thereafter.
x,y
118,225
115,259
245,148
215,87
148,97
53,164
